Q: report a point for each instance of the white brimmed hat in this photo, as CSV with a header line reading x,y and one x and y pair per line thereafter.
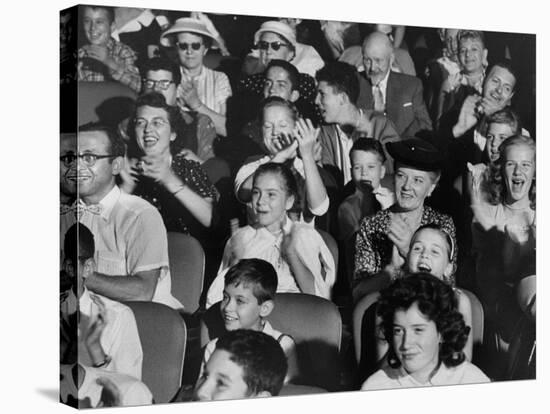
x,y
280,28
189,25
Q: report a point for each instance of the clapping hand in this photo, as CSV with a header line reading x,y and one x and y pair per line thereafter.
x,y
188,95
306,135
157,167
467,118
400,233
385,197
286,147
97,52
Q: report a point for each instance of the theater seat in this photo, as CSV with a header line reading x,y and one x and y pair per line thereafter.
x,y
316,327
162,333
108,102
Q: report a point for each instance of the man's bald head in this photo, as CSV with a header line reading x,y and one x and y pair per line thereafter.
x,y
377,56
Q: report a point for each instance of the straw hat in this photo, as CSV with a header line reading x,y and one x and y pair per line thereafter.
x,y
189,25
280,28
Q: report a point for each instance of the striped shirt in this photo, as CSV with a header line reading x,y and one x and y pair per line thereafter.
x,y
213,88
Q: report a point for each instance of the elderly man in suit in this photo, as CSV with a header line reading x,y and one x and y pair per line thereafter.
x,y
397,95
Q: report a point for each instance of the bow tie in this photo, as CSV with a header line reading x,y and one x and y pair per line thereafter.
x,y
78,208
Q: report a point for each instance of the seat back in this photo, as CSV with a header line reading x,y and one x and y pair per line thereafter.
x,y
163,335
186,257
108,102
478,319
331,244
364,333
315,325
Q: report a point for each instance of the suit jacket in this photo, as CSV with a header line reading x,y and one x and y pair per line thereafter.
x,y
405,105
383,131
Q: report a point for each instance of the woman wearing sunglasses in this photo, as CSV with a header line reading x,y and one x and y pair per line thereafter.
x,y
201,89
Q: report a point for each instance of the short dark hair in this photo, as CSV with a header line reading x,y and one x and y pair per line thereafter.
x,y
293,74
508,117
504,64
342,77
278,101
79,243
283,171
259,274
110,10
437,302
260,356
157,100
162,63
369,145
118,147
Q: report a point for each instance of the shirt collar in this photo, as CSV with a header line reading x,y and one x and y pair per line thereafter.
x,y
384,82
185,75
108,202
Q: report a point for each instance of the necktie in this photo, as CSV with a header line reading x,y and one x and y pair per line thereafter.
x,y
78,208
378,99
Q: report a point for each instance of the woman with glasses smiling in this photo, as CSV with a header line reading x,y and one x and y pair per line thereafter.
x,y
202,89
178,187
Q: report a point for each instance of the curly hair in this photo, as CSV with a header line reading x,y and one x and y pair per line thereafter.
x,y
437,302
496,187
117,145
260,356
157,100
283,103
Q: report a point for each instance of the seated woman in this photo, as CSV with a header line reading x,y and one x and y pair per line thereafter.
x,y
297,252
426,334
293,142
386,237
504,229
155,171
201,90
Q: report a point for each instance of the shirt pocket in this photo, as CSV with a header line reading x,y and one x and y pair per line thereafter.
x,y
111,263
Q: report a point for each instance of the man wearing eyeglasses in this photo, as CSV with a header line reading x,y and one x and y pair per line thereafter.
x,y
131,241
102,57
163,76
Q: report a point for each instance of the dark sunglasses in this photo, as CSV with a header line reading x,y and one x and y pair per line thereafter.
x,y
184,46
263,45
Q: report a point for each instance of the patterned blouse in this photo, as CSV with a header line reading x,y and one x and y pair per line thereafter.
x,y
176,217
373,248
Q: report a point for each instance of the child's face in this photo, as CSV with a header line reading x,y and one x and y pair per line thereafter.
x,y
222,379
366,169
276,121
240,308
495,135
519,171
430,253
270,201
97,26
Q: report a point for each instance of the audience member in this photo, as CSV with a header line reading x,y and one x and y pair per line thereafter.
x,y
131,243
426,334
248,298
245,364
178,187
337,95
397,95
102,57
201,89
297,252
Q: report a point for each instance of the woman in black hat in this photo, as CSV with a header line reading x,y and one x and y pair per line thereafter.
x,y
383,239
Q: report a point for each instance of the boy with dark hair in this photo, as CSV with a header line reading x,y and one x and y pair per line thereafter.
x,y
250,287
102,57
367,171
245,364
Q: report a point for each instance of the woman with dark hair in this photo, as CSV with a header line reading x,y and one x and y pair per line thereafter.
x,y
178,187
427,335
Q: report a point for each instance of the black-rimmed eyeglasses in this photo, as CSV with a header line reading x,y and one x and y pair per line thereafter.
x,y
89,159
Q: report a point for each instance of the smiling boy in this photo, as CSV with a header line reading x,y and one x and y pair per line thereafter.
x,y
102,57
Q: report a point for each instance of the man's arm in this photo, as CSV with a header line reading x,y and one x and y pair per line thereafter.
x,y
421,115
123,69
140,286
